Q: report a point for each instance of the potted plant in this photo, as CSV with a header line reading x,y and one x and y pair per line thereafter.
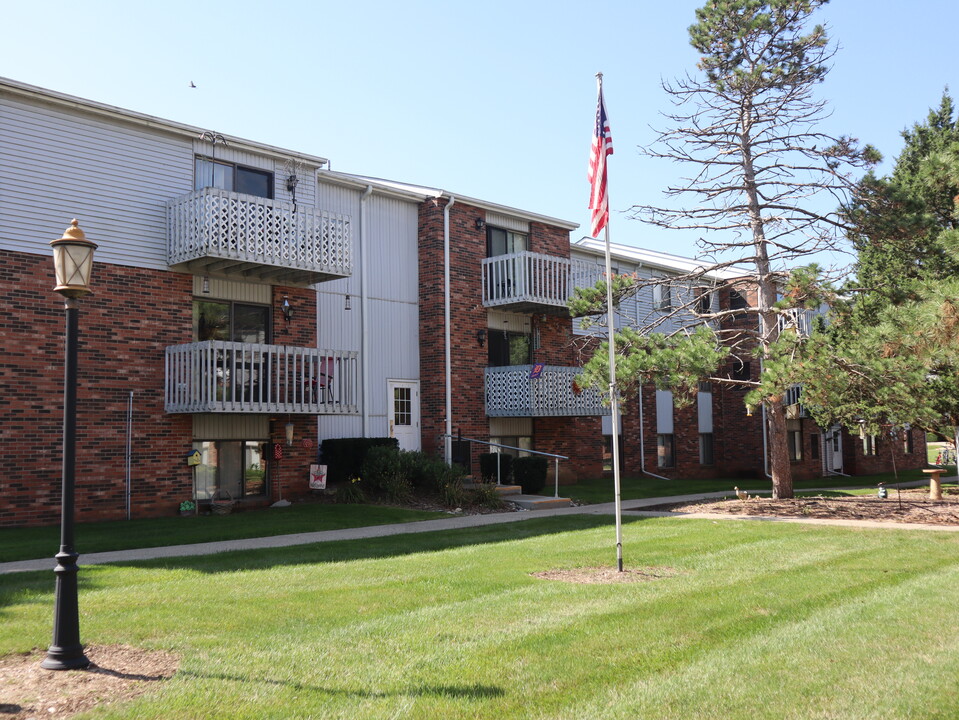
x,y
188,507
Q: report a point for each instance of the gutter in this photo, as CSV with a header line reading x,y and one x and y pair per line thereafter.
x,y
364,314
448,440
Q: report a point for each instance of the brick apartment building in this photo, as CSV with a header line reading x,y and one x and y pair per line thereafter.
x,y
248,303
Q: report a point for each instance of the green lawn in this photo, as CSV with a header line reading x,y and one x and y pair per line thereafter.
x,y
747,620
30,543
635,488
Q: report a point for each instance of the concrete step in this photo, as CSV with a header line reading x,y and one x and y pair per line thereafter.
x,y
501,490
538,502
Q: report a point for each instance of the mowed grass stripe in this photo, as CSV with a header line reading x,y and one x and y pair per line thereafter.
x,y
425,627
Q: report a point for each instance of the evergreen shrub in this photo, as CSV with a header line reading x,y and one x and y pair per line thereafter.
x,y
530,473
488,466
344,457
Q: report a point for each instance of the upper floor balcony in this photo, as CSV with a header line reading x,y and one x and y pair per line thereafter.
x,y
533,282
516,391
217,376
793,403
218,232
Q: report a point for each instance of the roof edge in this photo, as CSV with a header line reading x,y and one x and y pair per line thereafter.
x,y
15,87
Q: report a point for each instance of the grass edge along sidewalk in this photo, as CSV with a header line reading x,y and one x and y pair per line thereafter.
x,y
21,544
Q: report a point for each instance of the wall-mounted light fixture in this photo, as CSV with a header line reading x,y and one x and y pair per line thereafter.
x,y
289,434
481,337
348,303
287,309
480,223
206,284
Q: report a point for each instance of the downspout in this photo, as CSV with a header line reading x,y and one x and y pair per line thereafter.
x,y
765,447
129,454
448,440
765,438
642,444
364,314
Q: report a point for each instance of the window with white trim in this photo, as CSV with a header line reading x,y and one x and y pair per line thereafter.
x,y
231,177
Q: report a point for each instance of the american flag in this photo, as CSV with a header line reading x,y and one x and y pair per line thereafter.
x,y
601,147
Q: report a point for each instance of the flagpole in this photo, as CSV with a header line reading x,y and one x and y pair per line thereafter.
x,y
614,405
613,391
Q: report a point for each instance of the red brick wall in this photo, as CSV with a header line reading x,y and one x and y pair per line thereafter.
x,y
856,462
578,438
468,357
125,326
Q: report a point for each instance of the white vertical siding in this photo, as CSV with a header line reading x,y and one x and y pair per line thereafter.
x,y
221,289
640,310
511,322
231,427
507,222
114,177
393,301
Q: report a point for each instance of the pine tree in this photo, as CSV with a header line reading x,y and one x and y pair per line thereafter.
x,y
900,335
748,126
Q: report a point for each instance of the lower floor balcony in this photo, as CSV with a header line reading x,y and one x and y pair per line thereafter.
x,y
539,391
217,376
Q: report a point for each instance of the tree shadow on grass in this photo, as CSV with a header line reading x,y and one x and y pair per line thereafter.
x,y
37,586
377,547
475,691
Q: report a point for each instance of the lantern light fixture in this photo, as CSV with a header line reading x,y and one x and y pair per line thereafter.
x,y
73,261
287,309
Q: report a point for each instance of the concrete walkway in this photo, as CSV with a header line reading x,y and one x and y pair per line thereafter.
x,y
456,522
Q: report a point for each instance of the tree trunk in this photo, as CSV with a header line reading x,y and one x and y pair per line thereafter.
x,y
778,449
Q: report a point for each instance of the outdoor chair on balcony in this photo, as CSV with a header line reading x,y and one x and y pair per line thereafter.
x,y
326,378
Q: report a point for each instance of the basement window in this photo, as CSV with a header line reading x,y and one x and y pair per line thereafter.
x,y
665,457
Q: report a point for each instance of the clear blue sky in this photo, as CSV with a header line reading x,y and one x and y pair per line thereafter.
x,y
493,100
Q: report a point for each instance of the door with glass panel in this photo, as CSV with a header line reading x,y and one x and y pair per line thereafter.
x,y
242,372
231,469
507,279
404,413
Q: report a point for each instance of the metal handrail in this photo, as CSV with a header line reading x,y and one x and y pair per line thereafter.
x,y
556,457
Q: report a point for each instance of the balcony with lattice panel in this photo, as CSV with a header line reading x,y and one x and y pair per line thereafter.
x,y
551,391
242,237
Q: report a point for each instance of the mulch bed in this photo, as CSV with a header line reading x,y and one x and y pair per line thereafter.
x,y
906,506
116,673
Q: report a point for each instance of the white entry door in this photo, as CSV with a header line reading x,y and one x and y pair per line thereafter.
x,y
834,448
404,412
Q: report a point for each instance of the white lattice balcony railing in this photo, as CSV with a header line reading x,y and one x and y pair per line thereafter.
x,y
511,391
533,281
213,231
216,376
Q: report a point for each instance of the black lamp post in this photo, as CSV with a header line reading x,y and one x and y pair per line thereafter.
x,y
73,259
